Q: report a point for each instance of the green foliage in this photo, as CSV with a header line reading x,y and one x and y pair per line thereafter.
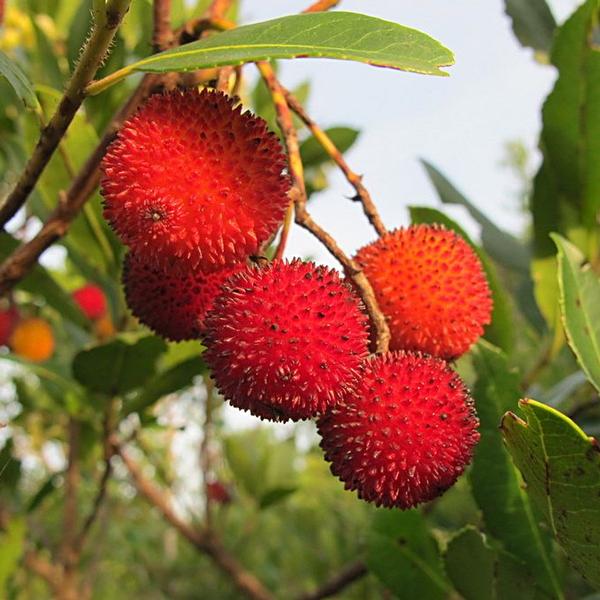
x,y
119,366
403,554
497,487
285,518
312,152
561,466
580,307
12,542
481,572
18,81
567,189
532,22
357,37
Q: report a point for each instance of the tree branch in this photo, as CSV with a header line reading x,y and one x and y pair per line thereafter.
x,y
109,426
205,461
321,5
103,30
347,576
303,218
204,541
50,573
162,36
68,552
355,180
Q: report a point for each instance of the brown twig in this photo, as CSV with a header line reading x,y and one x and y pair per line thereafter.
x,y
321,5
95,49
218,9
69,554
162,35
205,461
303,218
72,480
109,425
284,120
347,576
355,180
50,573
204,541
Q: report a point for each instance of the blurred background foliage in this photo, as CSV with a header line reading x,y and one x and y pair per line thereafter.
x,y
273,500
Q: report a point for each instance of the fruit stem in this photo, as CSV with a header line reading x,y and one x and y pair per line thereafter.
x,y
355,180
303,218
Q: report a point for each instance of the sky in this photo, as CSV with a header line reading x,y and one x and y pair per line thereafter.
x,y
460,123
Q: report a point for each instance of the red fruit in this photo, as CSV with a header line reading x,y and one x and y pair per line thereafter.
x,y
431,286
405,435
8,321
91,301
286,341
193,181
217,492
172,305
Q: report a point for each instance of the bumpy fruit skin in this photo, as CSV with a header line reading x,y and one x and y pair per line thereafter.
x,y
286,341
91,300
8,321
174,306
192,181
405,435
33,339
431,286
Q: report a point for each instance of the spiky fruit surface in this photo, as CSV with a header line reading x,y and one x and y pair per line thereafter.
x,y
92,301
431,286
405,435
8,321
33,339
174,306
192,181
286,341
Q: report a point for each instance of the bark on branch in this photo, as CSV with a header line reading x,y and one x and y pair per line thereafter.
x,y
204,541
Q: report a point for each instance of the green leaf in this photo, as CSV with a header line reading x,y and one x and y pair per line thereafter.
x,y
119,366
274,496
500,330
501,246
580,307
339,35
481,572
18,81
495,481
566,190
260,464
172,380
561,466
405,557
532,22
46,489
10,467
312,152
470,565
12,542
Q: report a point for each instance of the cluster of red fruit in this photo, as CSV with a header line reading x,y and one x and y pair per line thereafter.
x,y
197,189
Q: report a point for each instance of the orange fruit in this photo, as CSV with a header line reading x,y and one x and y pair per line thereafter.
x,y
33,339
